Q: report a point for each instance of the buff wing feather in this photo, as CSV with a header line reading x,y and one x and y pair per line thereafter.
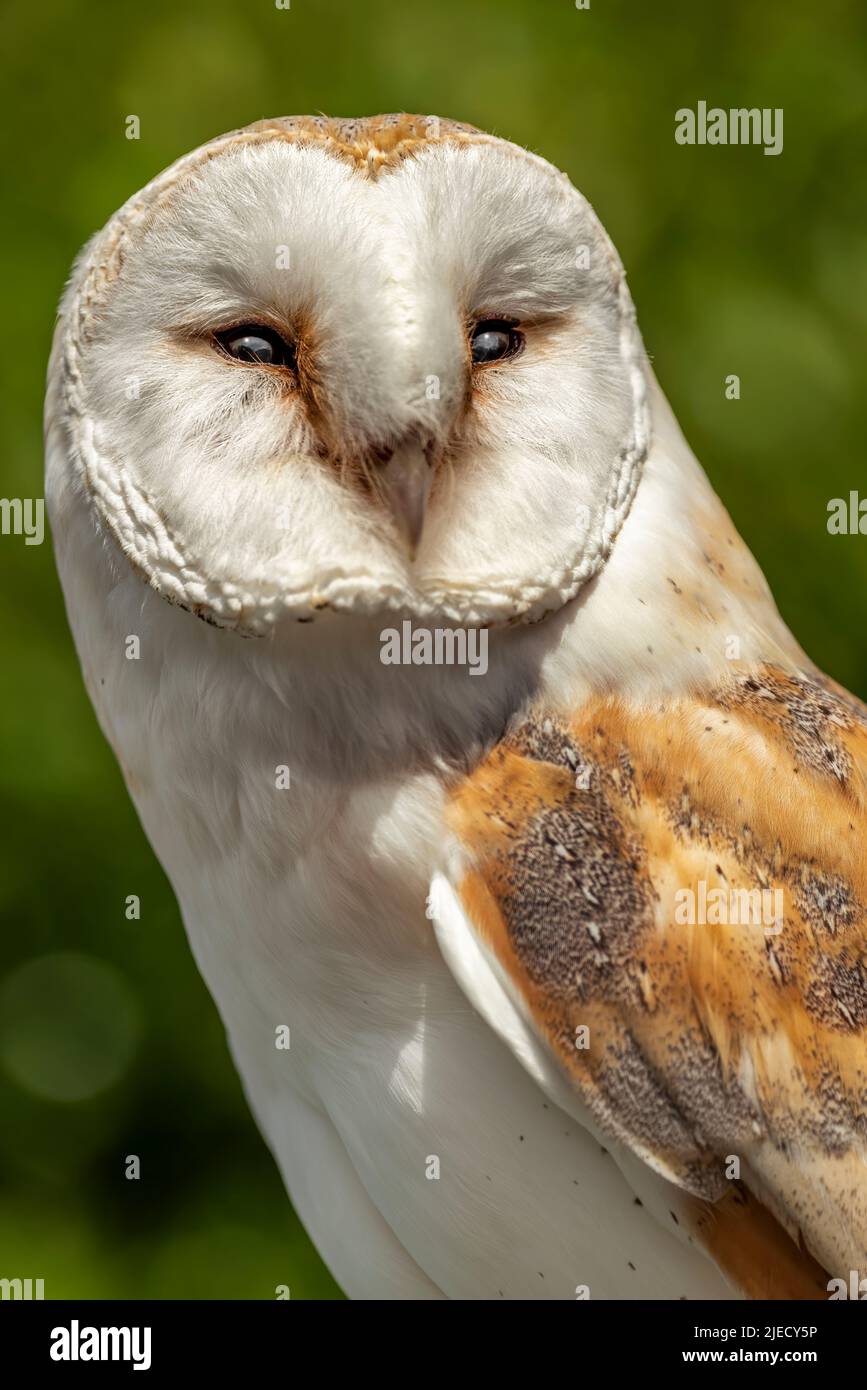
x,y
677,897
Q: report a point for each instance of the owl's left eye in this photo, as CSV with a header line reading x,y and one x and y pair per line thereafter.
x,y
492,340
256,343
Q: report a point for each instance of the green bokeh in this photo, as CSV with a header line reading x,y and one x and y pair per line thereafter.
x,y
737,262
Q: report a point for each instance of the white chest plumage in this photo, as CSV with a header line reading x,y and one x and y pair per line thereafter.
x,y
422,1158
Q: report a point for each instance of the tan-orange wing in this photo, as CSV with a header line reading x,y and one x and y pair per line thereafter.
x,y
677,897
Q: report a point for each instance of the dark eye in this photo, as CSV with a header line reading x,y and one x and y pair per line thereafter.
x,y
254,342
492,340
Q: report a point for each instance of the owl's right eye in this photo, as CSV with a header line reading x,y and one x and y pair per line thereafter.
x,y
258,344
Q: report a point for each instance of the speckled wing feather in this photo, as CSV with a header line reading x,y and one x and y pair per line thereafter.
x,y
581,841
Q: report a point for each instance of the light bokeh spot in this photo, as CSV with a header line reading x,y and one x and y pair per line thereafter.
x,y
69,1026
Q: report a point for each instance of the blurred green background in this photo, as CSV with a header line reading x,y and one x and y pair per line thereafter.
x,y
738,262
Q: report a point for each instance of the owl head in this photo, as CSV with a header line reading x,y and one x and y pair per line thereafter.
x,y
380,366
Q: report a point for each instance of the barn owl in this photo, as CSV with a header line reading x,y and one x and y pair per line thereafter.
x,y
328,385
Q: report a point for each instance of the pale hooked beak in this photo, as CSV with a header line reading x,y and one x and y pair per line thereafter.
x,y
406,483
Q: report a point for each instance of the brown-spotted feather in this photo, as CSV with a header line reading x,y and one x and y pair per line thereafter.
x,y
709,1041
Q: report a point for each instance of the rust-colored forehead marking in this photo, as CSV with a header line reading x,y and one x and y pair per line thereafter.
x,y
370,143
